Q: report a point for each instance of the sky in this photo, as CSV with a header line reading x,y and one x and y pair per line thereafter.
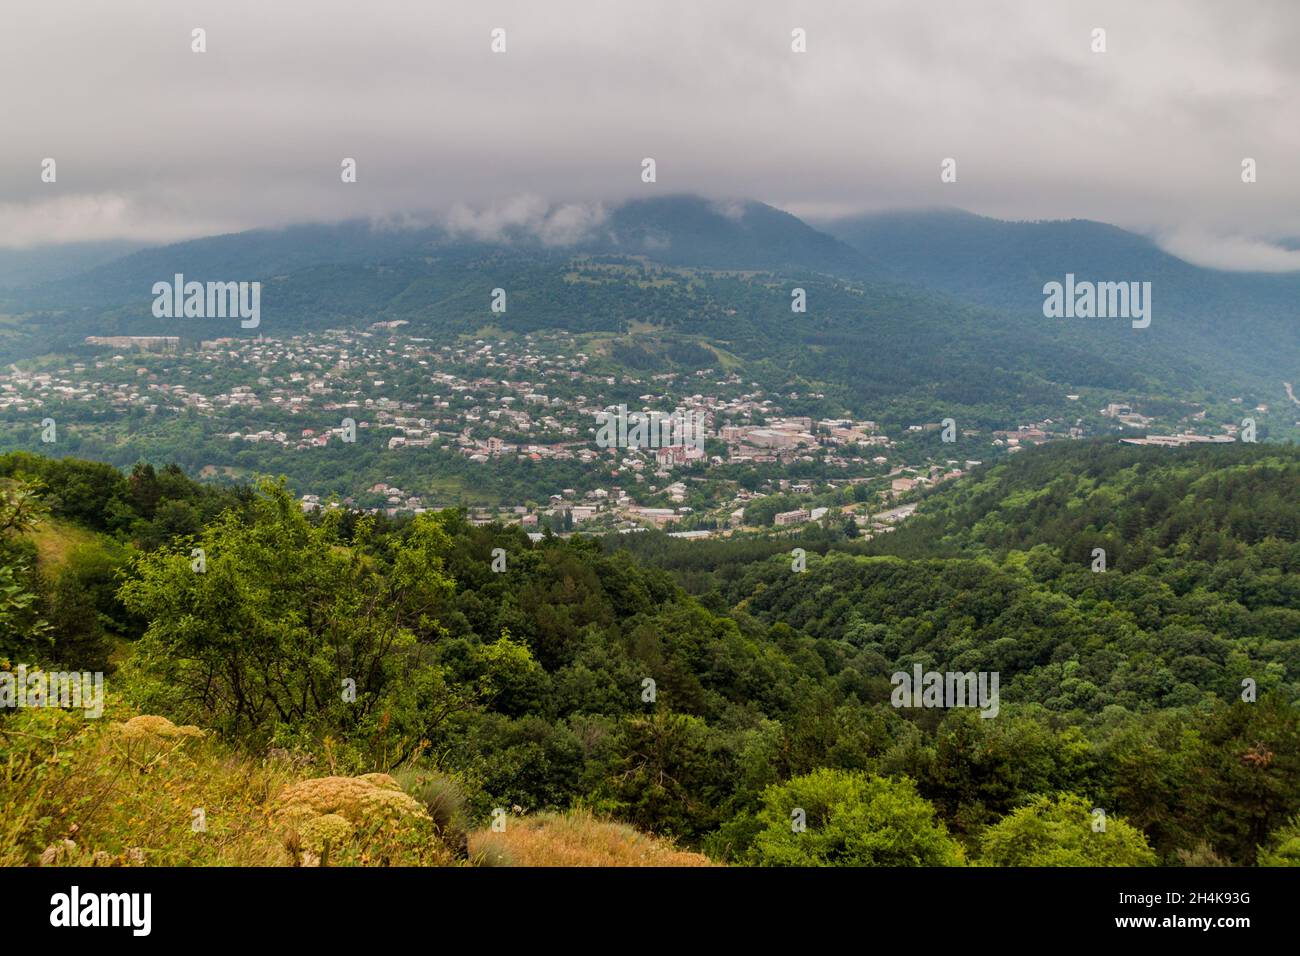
x,y
155,142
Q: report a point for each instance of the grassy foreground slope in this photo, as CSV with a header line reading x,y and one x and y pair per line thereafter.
x,y
141,791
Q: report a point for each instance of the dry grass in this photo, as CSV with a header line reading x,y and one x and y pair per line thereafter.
x,y
576,838
91,792
122,791
55,540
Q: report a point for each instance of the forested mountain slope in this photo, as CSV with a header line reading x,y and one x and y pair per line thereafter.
x,y
925,309
1244,322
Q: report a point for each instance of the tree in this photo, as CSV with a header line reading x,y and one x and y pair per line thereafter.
x,y
281,631
666,776
22,629
1062,831
851,819
1247,770
144,489
83,606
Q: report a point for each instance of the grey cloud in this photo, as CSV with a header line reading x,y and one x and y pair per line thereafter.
x,y
529,216
1230,251
155,142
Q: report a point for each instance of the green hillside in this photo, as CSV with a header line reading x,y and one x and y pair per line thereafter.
x,y
1239,323
585,675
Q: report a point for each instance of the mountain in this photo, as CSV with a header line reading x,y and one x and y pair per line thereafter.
x,y
28,267
257,254
1237,323
923,312
688,230
674,230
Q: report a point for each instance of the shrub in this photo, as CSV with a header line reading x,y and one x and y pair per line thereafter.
x,y
852,819
1059,832
1284,847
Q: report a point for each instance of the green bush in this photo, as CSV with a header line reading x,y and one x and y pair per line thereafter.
x,y
1059,832
1284,847
852,819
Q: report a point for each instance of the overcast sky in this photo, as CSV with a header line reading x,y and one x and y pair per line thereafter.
x,y
155,142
